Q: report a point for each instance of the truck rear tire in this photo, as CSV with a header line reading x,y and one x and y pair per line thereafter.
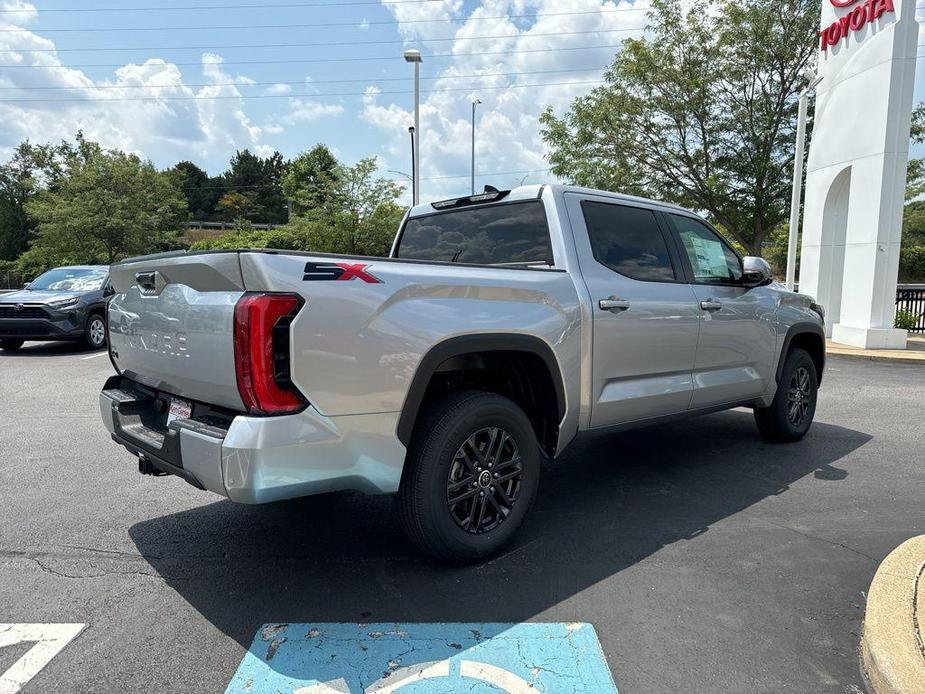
x,y
470,477
791,414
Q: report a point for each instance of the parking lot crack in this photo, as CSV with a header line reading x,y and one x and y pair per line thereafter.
x,y
826,540
100,573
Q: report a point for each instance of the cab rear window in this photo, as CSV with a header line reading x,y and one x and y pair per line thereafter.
x,y
513,233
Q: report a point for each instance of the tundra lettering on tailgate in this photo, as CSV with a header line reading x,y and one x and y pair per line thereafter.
x,y
320,272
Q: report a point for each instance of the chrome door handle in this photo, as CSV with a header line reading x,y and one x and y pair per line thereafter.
x,y
711,305
613,304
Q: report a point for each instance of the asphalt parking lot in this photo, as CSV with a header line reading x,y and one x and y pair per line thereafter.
x,y
706,560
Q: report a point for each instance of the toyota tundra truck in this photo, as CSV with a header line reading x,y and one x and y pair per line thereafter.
x,y
501,326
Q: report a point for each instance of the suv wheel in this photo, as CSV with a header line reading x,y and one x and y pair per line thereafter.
x,y
95,331
471,475
11,345
791,414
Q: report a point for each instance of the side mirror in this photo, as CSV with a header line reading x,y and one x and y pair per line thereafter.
x,y
26,285
755,271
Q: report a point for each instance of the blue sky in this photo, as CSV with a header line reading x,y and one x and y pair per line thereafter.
x,y
345,84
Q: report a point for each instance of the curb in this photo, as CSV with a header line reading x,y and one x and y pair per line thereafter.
x,y
913,355
892,646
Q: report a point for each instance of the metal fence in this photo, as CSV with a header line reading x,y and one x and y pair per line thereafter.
x,y
912,298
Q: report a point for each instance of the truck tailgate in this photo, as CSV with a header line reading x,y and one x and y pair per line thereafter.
x,y
171,324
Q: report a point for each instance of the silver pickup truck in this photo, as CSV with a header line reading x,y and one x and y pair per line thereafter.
x,y
501,326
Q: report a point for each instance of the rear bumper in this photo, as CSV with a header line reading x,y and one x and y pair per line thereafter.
x,y
256,460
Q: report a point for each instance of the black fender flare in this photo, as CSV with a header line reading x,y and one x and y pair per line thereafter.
x,y
794,330
471,344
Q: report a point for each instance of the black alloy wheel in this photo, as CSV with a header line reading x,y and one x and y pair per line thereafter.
x,y
484,480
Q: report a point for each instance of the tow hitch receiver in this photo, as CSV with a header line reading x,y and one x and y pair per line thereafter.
x,y
146,467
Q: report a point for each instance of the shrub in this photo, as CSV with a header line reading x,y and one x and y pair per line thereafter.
x,y
906,320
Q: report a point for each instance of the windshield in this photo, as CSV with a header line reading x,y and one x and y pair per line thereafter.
x,y
71,279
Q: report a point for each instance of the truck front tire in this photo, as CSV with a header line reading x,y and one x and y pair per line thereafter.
x,y
791,414
470,478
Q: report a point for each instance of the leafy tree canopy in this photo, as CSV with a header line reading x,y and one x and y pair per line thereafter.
x,y
359,217
312,180
260,180
202,193
108,205
701,111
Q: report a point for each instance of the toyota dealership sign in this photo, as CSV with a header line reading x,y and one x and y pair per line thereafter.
x,y
859,16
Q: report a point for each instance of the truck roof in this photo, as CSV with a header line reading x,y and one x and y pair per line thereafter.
x,y
533,191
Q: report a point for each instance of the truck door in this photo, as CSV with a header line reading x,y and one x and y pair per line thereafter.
x,y
645,316
735,353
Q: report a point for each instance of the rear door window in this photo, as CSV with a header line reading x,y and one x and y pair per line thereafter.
x,y
513,233
628,240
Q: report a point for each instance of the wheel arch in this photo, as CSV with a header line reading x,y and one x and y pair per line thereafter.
x,y
527,355
808,336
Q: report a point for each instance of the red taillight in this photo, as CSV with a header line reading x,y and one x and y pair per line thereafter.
x,y
261,353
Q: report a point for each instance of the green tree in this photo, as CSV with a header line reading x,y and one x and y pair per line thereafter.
x,y
312,180
360,218
701,111
912,251
17,185
235,205
260,180
31,169
202,193
107,206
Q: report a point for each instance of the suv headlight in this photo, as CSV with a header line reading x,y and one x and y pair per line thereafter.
x,y
64,303
819,309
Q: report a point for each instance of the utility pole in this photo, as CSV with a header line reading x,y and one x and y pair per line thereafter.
x,y
474,104
412,55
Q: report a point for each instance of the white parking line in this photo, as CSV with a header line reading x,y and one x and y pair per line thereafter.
x,y
49,640
94,356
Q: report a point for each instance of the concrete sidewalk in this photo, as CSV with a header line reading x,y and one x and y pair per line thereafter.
x,y
914,352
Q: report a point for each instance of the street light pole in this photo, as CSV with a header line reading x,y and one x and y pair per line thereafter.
x,y
413,55
797,189
474,104
413,177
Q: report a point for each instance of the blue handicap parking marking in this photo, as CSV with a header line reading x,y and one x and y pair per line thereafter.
x,y
424,659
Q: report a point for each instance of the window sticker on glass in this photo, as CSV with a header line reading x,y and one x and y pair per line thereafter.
x,y
709,257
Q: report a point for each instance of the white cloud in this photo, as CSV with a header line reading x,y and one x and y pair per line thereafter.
x,y
508,129
425,19
17,12
303,110
278,90
145,108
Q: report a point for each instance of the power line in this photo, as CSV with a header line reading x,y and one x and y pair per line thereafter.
x,y
295,61
313,44
317,24
302,82
423,178
289,96
284,5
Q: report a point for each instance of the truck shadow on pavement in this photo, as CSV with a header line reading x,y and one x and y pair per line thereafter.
x,y
611,501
